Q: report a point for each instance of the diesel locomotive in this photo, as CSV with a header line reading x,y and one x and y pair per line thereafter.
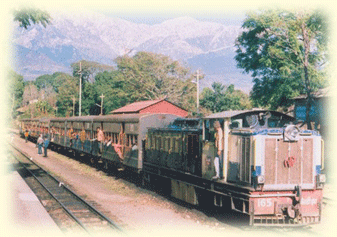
x,y
268,167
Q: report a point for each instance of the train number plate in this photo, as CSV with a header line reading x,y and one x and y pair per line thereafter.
x,y
264,206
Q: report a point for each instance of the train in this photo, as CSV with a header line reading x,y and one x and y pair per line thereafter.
x,y
256,162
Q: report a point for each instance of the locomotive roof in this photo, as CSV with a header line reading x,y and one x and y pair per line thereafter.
x,y
234,113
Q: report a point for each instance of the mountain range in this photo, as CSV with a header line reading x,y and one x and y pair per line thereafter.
x,y
208,46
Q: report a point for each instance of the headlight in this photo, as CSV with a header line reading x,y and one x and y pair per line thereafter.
x,y
260,179
321,178
291,133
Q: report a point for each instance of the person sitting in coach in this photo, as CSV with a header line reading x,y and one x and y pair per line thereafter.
x,y
82,137
100,139
70,136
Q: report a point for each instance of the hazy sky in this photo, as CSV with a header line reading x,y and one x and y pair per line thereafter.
x,y
226,18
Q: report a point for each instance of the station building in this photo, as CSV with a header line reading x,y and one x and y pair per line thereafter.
x,y
319,110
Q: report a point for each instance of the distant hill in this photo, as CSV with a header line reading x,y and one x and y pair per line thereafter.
x,y
199,45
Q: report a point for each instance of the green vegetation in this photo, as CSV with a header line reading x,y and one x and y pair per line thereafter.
x,y
145,76
220,98
286,52
28,16
16,88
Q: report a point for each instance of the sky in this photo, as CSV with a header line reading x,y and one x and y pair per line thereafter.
x,y
234,17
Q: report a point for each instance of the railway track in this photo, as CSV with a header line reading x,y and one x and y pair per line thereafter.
x,y
69,211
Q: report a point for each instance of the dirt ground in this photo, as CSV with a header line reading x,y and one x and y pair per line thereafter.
x,y
138,211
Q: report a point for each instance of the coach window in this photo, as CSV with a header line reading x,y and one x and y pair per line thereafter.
x,y
167,147
108,137
128,140
133,140
89,135
176,146
155,141
152,141
149,141
169,144
209,130
113,138
173,144
160,143
164,144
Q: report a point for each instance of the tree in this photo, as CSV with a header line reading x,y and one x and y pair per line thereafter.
x,y
222,98
16,88
48,98
108,83
28,16
30,94
55,81
89,69
149,76
29,97
285,51
67,90
44,81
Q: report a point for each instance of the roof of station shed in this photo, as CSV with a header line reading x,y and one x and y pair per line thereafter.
x,y
152,106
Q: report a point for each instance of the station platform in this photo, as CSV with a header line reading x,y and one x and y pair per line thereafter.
x,y
26,213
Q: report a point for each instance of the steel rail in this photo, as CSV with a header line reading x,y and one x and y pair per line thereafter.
x,y
109,221
53,196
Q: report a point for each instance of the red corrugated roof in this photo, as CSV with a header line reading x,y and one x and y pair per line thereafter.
x,y
136,107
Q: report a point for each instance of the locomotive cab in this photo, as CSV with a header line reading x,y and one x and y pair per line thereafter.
x,y
256,144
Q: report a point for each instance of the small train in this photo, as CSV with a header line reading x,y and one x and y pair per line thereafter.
x,y
270,169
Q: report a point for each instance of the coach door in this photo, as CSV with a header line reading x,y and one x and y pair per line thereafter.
x,y
193,160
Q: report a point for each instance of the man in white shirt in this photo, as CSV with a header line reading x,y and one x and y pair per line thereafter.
x,y
218,160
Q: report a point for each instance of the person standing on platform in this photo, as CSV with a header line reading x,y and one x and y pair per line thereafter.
x,y
26,135
40,144
45,145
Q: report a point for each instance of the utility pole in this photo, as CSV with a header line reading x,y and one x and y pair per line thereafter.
x,y
80,96
197,82
198,91
102,96
74,106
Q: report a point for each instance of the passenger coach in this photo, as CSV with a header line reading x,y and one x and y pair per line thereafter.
x,y
124,136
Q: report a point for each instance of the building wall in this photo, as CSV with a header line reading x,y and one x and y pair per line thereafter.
x,y
318,113
165,107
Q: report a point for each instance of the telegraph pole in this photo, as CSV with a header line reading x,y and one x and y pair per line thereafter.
x,y
80,96
197,82
74,106
102,96
198,91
